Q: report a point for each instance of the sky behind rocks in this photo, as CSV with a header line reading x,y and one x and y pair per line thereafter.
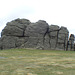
x,y
58,12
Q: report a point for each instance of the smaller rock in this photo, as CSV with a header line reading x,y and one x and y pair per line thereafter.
x,y
71,37
71,42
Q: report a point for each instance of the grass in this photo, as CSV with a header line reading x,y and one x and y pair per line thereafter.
x,y
37,62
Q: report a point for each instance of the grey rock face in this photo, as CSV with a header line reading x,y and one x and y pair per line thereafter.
x,y
53,33
58,37
16,27
8,42
21,33
47,42
63,37
13,34
37,29
36,33
71,42
53,28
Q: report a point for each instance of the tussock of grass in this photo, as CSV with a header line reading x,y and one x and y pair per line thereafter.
x,y
37,62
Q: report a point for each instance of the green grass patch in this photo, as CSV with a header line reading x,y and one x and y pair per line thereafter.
x,y
37,62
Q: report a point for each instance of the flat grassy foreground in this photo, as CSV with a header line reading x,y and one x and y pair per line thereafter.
x,y
37,62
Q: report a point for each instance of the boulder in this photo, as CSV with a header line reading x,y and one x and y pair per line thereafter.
x,y
63,38
71,42
63,30
37,29
53,33
15,28
71,37
36,33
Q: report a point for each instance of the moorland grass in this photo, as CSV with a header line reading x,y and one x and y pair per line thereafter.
x,y
37,62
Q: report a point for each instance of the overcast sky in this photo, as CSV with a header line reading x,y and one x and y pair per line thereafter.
x,y
58,12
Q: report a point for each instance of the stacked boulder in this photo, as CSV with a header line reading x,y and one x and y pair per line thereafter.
x,y
53,32
58,37
13,34
21,33
36,33
62,38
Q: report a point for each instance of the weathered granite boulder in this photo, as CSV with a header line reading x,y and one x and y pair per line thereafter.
x,y
37,29
16,27
36,33
53,28
71,42
62,38
21,33
13,34
8,42
58,37
53,33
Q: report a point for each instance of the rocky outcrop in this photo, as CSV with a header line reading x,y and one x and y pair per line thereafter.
x,y
63,38
71,42
13,34
15,28
36,33
21,33
53,33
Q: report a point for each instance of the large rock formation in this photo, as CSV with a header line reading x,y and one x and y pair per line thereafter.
x,y
21,33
